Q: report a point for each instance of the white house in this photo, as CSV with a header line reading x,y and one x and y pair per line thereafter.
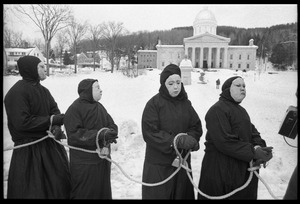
x,y
13,54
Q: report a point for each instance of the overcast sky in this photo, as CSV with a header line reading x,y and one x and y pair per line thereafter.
x,y
150,17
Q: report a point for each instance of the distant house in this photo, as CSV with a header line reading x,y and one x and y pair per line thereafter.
x,y
146,59
13,54
84,61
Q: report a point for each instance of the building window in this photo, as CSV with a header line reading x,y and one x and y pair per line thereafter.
x,y
230,65
163,64
239,65
248,66
231,56
248,57
240,57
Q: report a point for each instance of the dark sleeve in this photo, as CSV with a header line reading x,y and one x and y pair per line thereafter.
x,y
256,138
111,124
78,135
54,110
219,128
18,108
195,126
153,136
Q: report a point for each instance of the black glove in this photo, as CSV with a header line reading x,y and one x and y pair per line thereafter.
x,y
111,136
58,119
263,153
187,142
58,133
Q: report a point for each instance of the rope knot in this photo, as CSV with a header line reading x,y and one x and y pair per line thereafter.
x,y
253,168
50,134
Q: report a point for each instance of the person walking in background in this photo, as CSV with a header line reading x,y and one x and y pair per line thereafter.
x,y
165,115
232,142
40,170
90,174
218,83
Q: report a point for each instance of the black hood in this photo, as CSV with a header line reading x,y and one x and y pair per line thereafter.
x,y
85,90
226,89
27,66
163,91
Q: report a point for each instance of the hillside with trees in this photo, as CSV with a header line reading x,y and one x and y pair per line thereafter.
x,y
277,43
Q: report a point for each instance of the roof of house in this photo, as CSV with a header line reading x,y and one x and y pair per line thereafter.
x,y
27,50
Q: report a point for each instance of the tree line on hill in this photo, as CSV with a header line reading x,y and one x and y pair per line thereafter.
x,y
276,43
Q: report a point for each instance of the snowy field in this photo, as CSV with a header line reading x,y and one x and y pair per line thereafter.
x,y
268,97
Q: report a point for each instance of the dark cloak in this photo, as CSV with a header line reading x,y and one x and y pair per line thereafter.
x,y
229,147
163,118
40,170
84,118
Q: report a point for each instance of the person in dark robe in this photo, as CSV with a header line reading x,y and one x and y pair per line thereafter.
x,y
218,82
232,141
40,170
165,115
90,174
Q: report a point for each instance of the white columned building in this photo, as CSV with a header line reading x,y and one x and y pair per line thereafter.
x,y
206,49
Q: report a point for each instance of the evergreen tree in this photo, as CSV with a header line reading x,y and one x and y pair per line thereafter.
x,y
66,58
279,55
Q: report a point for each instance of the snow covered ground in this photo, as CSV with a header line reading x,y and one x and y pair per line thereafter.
x,y
268,97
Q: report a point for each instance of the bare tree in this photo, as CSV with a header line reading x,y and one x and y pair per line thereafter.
x,y
61,43
95,32
13,39
48,18
7,37
38,43
110,32
76,31
18,41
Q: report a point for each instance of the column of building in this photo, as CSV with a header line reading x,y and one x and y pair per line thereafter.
x,y
201,57
218,57
209,60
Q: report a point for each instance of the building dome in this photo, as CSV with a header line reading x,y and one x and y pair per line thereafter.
x,y
205,21
205,15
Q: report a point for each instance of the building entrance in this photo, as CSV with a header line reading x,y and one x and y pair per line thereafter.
x,y
205,64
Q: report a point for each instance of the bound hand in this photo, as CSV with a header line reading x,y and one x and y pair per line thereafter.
x,y
263,153
111,135
187,142
58,133
58,119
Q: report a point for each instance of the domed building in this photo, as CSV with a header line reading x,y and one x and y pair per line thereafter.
x,y
206,49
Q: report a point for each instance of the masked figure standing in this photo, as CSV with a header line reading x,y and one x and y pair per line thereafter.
x,y
40,170
232,141
90,174
165,115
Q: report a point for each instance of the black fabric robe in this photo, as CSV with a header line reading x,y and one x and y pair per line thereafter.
x,y
90,174
40,170
163,118
230,142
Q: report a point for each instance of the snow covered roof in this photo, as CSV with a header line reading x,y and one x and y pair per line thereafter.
x,y
147,50
27,50
241,46
179,46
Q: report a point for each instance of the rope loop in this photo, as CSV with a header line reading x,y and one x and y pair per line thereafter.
x,y
99,150
183,164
